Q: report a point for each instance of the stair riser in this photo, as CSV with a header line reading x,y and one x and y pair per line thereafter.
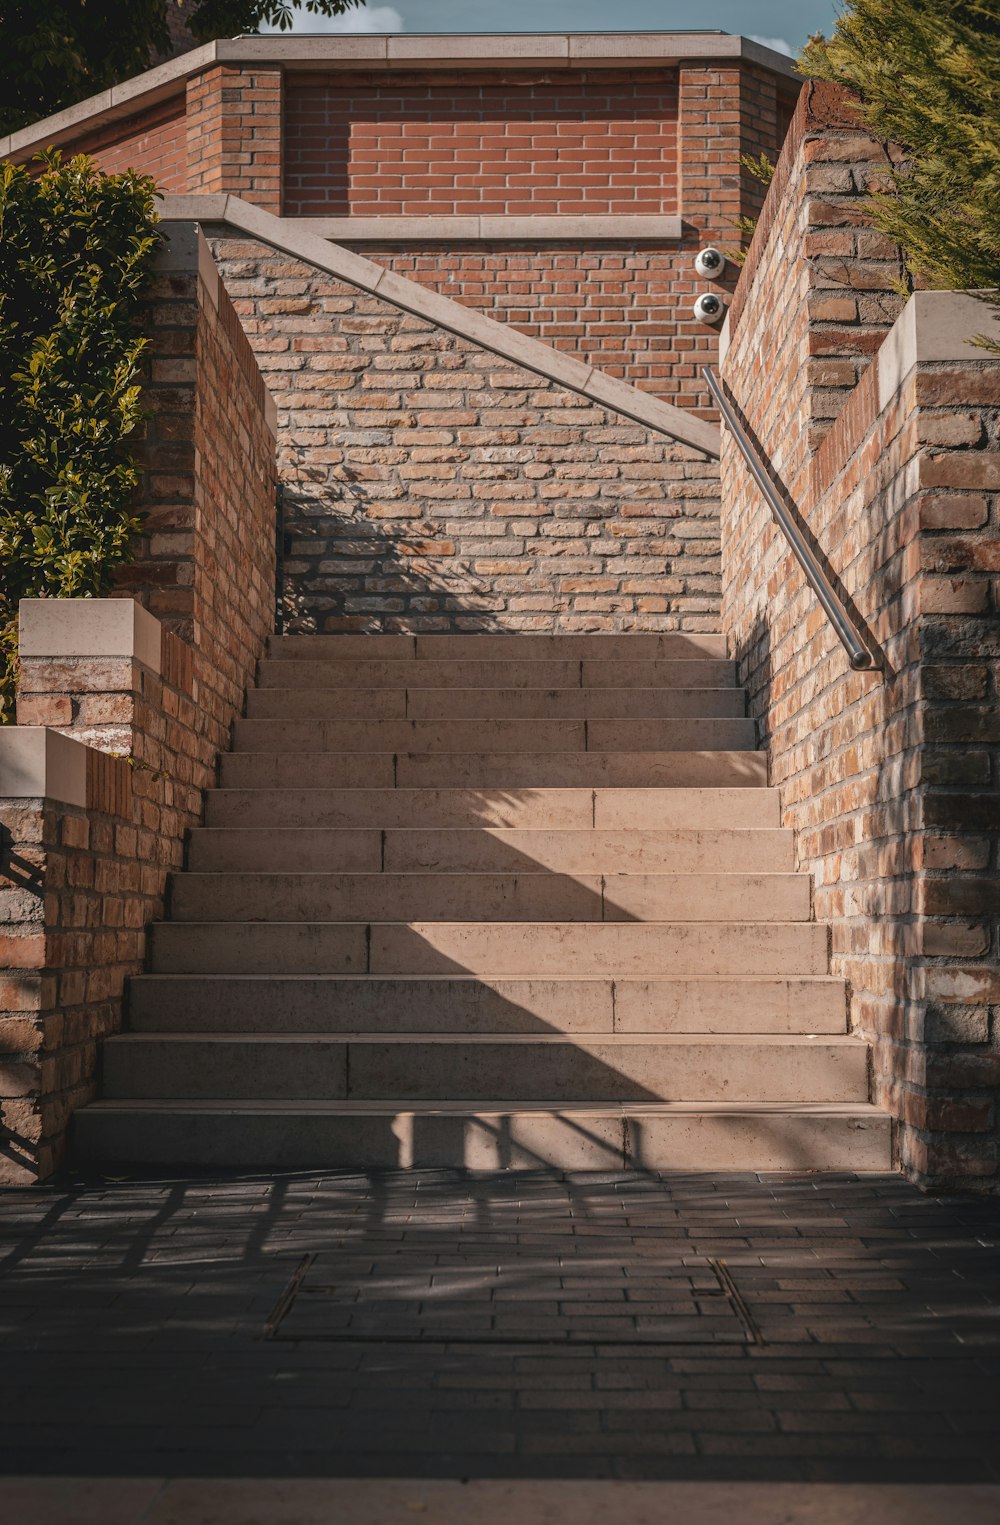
x,y
363,673
373,1005
619,950
464,770
438,849
493,704
498,897
561,1140
348,770
668,645
529,809
304,1069
430,736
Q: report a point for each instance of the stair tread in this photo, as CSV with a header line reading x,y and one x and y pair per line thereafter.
x,y
442,726
480,1108
476,979
574,1040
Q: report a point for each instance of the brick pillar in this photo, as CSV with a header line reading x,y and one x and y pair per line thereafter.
x,y
723,113
234,117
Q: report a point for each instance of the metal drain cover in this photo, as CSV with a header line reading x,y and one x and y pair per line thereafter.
x,y
525,1299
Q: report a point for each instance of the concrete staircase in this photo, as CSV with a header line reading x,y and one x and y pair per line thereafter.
x,y
490,901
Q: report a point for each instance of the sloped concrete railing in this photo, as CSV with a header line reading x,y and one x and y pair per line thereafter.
x,y
287,236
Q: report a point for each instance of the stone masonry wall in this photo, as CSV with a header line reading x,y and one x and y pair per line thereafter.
x,y
431,486
890,780
81,881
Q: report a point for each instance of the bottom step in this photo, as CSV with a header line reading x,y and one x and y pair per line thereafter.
x,y
543,1135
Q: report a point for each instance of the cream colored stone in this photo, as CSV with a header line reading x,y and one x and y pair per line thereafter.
x,y
39,763
89,627
934,325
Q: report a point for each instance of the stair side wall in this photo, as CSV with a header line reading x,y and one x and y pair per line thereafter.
x,y
81,878
891,781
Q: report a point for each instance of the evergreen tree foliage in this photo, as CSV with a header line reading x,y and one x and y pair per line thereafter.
x,y
927,75
76,249
57,52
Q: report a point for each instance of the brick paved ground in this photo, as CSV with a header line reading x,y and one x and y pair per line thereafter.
x,y
812,1328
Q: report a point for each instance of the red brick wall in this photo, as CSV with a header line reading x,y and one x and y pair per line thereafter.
x,y
389,144
234,118
628,309
603,142
207,567
153,142
625,309
889,780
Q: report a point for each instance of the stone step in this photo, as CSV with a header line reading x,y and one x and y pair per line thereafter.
x,y
520,897
670,644
433,736
455,850
493,703
528,809
619,949
690,1136
457,1004
512,1067
571,672
493,770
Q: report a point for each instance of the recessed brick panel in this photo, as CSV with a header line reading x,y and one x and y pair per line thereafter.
x,y
390,145
626,309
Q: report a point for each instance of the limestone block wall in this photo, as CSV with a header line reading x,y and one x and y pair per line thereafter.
x,y
120,718
891,780
431,485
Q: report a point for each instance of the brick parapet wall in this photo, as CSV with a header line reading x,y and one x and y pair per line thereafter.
x,y
432,486
154,141
81,880
891,782
442,143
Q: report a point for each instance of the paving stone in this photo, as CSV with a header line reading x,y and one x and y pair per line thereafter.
x,y
136,1345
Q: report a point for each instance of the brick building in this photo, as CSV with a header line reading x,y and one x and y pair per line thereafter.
x,y
529,813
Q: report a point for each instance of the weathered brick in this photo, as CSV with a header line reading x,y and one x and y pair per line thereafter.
x,y
901,501
103,870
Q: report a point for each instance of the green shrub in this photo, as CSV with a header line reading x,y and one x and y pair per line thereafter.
x,y
927,76
76,248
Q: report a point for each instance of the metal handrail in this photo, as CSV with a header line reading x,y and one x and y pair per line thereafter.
x,y
859,654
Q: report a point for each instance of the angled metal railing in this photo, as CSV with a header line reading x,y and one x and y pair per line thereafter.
x,y
859,654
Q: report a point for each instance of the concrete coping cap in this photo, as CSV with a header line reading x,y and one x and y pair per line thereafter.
x,y
39,763
934,325
592,50
89,627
